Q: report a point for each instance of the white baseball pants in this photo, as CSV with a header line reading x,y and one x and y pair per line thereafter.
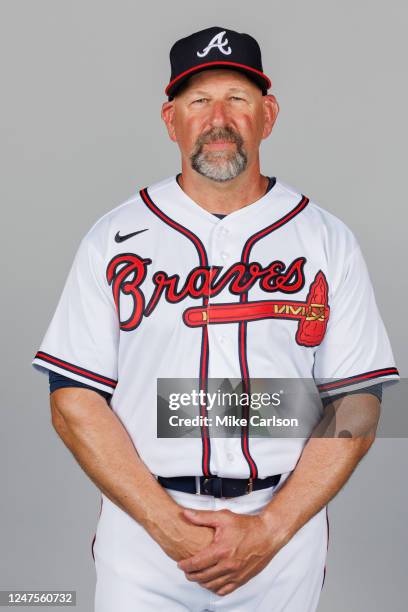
x,y
135,575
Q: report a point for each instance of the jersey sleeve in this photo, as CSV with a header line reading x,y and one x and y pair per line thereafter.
x,y
82,339
356,351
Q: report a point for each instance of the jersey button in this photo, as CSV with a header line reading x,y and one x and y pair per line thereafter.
x,y
224,231
230,457
224,256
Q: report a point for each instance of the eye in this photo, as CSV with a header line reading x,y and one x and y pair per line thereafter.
x,y
237,98
200,100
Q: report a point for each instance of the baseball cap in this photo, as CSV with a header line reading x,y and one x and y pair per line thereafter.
x,y
215,47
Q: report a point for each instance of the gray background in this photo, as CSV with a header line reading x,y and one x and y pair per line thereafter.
x,y
81,89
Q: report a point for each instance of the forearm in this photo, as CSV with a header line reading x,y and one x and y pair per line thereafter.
x,y
105,451
326,463
323,468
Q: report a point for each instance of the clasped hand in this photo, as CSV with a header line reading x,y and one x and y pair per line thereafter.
x,y
242,546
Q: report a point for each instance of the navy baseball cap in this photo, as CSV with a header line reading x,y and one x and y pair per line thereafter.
x,y
215,48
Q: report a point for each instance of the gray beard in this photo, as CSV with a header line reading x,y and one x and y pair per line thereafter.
x,y
219,166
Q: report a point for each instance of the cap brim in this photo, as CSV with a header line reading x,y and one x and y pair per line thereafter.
x,y
255,75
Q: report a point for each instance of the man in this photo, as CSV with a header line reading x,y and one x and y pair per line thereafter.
x,y
218,272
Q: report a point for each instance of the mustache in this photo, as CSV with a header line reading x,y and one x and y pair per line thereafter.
x,y
226,134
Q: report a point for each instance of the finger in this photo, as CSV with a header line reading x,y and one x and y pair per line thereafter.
x,y
216,571
218,584
201,561
202,517
228,588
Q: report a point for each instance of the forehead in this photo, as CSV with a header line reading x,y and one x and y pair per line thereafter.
x,y
220,79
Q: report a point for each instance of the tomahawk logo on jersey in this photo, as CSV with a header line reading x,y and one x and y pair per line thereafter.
x,y
161,288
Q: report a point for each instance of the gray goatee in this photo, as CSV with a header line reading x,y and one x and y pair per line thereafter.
x,y
219,165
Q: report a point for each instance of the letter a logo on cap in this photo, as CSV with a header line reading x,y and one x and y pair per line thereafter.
x,y
216,41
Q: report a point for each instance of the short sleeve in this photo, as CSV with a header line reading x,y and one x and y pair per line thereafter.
x,y
356,351
82,339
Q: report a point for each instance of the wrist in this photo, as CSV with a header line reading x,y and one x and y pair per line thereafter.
x,y
279,526
158,518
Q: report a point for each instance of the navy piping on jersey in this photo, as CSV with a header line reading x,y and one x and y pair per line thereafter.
x,y
242,326
71,367
351,380
204,357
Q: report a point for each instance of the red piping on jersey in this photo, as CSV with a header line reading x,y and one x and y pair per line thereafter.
x,y
351,380
204,341
242,332
218,63
65,365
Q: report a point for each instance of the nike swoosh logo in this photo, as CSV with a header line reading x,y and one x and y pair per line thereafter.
x,y
119,238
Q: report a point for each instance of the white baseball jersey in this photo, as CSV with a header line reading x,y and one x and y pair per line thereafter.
x,y
161,288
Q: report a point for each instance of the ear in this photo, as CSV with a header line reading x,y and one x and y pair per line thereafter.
x,y
271,110
167,114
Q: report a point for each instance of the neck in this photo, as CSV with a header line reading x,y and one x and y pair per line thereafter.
x,y
225,197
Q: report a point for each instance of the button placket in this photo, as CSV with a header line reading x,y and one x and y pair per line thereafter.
x,y
224,254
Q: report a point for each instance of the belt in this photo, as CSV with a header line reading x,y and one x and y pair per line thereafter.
x,y
217,486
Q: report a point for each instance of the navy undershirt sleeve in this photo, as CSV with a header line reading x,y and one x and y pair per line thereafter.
x,y
58,381
373,390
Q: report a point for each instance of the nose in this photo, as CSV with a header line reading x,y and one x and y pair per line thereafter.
x,y
219,114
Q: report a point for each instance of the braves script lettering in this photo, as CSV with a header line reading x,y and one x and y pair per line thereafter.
x,y
127,272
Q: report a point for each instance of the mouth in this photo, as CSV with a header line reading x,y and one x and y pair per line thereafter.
x,y
220,145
